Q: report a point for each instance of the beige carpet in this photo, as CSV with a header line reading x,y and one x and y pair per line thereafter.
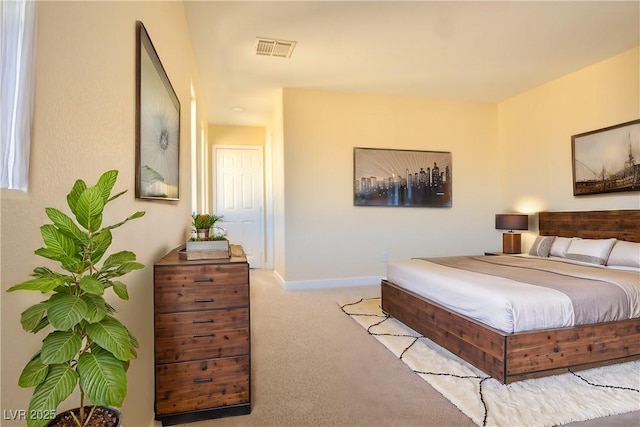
x,y
314,366
548,401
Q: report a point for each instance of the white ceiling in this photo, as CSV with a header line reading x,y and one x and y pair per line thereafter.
x,y
461,50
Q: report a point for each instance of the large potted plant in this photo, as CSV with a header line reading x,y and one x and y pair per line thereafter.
x,y
87,347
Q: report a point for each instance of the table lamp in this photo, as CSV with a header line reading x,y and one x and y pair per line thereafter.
x,y
511,242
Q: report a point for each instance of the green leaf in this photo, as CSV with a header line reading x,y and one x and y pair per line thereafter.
x,y
60,347
102,377
110,309
128,267
47,253
72,198
42,284
66,311
138,214
111,335
134,345
96,308
74,264
115,196
91,285
89,208
106,183
31,317
100,242
61,380
57,242
117,266
66,225
41,325
121,290
33,373
43,272
118,258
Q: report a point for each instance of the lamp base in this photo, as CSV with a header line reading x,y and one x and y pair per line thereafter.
x,y
511,243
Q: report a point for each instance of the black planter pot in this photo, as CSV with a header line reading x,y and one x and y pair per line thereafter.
x,y
109,417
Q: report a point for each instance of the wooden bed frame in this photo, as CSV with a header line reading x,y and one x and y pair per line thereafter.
x,y
518,356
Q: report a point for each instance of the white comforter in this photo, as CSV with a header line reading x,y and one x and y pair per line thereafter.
x,y
504,304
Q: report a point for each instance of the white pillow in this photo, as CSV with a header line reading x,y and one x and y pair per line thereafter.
x,y
542,246
625,254
594,251
560,246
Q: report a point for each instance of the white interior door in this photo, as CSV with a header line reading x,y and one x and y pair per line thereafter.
x,y
239,198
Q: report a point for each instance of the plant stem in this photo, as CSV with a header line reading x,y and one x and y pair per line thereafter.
x,y
78,423
93,408
81,405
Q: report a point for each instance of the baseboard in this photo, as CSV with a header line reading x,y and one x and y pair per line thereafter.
x,y
305,285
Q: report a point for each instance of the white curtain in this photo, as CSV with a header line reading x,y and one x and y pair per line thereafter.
x,y
17,80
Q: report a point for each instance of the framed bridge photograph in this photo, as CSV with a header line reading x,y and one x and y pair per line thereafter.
x,y
607,160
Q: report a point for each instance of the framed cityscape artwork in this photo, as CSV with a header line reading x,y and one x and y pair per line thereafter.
x,y
386,177
157,125
606,160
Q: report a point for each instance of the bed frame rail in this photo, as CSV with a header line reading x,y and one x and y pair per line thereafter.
x,y
514,357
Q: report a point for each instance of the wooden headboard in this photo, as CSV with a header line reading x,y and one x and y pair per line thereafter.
x,y
621,224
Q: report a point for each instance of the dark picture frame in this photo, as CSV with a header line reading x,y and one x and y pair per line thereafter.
x,y
606,160
157,125
403,178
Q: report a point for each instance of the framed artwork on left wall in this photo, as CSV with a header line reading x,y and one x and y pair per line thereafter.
x,y
157,125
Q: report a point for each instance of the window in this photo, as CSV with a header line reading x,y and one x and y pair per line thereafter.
x,y
17,80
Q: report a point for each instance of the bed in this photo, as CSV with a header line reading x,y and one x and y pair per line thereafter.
x,y
513,356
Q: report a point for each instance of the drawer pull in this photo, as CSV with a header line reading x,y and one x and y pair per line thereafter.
x,y
203,380
203,300
203,279
203,321
203,335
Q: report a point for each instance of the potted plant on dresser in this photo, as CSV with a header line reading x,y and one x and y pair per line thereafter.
x,y
88,347
203,223
210,245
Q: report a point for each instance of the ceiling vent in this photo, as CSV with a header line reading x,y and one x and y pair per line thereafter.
x,y
271,47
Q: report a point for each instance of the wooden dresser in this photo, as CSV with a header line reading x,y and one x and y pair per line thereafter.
x,y
202,338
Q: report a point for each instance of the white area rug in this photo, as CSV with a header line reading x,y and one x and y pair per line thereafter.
x,y
548,401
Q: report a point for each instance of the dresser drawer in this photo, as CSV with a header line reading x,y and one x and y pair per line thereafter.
x,y
200,287
193,335
203,384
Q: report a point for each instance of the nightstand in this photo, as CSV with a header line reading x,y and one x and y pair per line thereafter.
x,y
497,253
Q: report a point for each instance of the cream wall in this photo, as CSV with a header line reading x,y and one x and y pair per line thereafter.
x,y
512,156
328,240
274,150
84,124
536,128
236,135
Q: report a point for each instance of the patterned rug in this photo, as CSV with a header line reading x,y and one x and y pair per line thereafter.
x,y
549,401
